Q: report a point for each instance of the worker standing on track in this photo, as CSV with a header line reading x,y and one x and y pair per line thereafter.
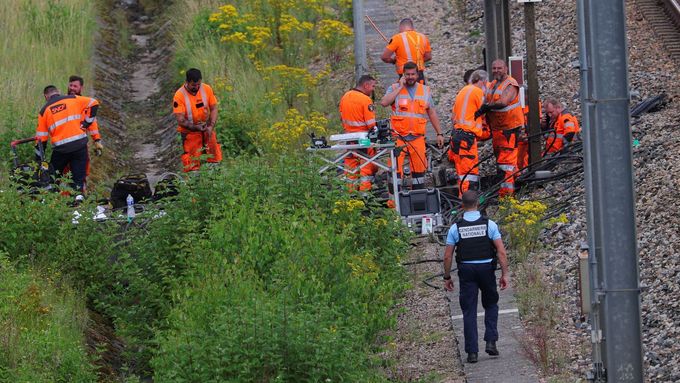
x,y
358,115
467,130
408,46
505,118
63,119
412,105
75,88
195,107
479,247
564,124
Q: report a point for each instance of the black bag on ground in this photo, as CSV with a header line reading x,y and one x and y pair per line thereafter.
x,y
166,187
136,185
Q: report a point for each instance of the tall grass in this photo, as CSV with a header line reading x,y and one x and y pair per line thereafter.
x,y
43,42
42,324
302,61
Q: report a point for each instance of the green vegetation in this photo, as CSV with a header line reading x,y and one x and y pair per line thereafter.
x,y
44,41
278,67
42,324
523,222
257,283
260,269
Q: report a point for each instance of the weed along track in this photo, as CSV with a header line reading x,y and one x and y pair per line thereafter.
x,y
133,52
133,55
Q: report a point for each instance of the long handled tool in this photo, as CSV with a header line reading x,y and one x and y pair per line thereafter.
x,y
376,28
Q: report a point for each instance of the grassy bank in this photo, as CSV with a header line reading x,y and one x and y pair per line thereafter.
x,y
44,42
279,67
42,323
41,319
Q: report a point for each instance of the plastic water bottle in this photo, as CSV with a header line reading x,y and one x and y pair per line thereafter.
x,y
130,208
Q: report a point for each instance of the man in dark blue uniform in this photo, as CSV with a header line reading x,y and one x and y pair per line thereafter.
x,y
479,247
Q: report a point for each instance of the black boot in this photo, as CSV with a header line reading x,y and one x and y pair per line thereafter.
x,y
472,357
491,348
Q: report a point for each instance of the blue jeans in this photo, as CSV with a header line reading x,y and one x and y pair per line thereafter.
x,y
474,277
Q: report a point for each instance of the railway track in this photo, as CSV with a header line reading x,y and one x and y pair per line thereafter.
x,y
664,16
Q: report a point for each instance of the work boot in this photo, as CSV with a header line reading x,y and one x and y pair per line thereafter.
x,y
491,348
472,357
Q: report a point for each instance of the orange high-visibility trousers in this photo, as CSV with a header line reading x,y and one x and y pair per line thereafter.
x,y
364,175
522,154
465,161
415,151
195,145
505,149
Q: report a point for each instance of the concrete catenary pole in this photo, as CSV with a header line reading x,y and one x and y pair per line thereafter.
x,y
360,66
497,31
534,128
617,339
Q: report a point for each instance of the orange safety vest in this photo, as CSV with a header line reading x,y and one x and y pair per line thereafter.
x,y
563,125
468,100
409,46
197,107
409,116
511,116
357,112
60,119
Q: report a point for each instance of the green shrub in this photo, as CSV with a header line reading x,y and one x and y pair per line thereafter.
x,y
285,286
42,326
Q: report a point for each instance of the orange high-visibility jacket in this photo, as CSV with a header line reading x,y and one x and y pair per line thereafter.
x,y
60,119
566,124
409,116
468,100
357,112
409,46
196,108
511,116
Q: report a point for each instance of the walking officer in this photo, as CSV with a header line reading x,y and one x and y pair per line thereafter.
x,y
479,247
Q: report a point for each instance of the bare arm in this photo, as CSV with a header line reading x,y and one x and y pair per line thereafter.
x,y
448,260
434,119
387,56
183,122
503,260
427,56
508,95
389,98
213,117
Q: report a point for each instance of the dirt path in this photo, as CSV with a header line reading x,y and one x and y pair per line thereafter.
x,y
133,78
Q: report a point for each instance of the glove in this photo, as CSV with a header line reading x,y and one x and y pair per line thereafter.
x,y
98,148
482,110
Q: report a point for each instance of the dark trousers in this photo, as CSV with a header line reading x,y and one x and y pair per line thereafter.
x,y
474,277
77,162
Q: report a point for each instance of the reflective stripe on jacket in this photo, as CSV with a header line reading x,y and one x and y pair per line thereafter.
x,y
509,117
61,118
357,112
409,116
468,101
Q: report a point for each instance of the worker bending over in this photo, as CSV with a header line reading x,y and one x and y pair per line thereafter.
x,y
476,241
64,121
358,115
408,46
412,105
468,128
195,107
564,124
505,118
